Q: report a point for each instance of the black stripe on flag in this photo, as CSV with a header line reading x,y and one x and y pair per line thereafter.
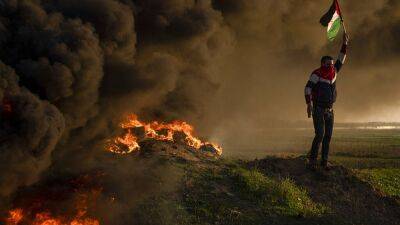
x,y
325,19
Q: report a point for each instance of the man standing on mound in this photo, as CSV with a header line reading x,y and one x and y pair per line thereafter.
x,y
320,94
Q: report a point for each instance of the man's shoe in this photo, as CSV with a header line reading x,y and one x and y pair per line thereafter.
x,y
325,165
312,165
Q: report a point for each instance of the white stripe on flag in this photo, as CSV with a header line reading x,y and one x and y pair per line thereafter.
x,y
334,17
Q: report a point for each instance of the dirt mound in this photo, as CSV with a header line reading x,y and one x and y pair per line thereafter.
x,y
340,189
171,150
174,151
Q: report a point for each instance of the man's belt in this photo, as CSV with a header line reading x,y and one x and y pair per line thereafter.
x,y
327,109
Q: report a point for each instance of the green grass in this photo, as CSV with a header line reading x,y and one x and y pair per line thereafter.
x,y
229,191
275,197
346,143
386,180
366,163
233,194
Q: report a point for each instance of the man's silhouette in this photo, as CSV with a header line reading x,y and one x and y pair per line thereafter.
x,y
320,94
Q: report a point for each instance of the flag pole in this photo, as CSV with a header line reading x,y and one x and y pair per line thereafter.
x,y
344,27
341,19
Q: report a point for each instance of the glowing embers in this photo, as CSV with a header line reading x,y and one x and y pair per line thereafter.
x,y
175,131
15,216
63,203
18,216
6,106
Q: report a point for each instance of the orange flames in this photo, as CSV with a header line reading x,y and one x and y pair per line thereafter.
x,y
44,208
155,130
17,216
38,212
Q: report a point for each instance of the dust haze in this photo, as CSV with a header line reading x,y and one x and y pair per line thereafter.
x,y
279,43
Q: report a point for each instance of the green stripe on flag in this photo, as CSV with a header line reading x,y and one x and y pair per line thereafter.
x,y
334,29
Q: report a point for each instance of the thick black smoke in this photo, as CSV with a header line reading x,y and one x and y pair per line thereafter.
x,y
28,135
80,66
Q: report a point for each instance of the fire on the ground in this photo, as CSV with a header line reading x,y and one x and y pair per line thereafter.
x,y
176,131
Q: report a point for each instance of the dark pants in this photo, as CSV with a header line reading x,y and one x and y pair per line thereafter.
x,y
323,125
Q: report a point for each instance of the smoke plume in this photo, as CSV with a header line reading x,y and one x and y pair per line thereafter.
x,y
73,69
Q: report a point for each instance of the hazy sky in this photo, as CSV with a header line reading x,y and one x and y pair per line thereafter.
x,y
279,43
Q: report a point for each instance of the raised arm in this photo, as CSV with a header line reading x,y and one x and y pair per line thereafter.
x,y
342,55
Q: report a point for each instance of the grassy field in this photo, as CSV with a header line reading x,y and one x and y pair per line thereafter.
x,y
363,187
372,153
355,148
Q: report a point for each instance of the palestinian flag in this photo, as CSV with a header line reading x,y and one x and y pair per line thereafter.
x,y
332,20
